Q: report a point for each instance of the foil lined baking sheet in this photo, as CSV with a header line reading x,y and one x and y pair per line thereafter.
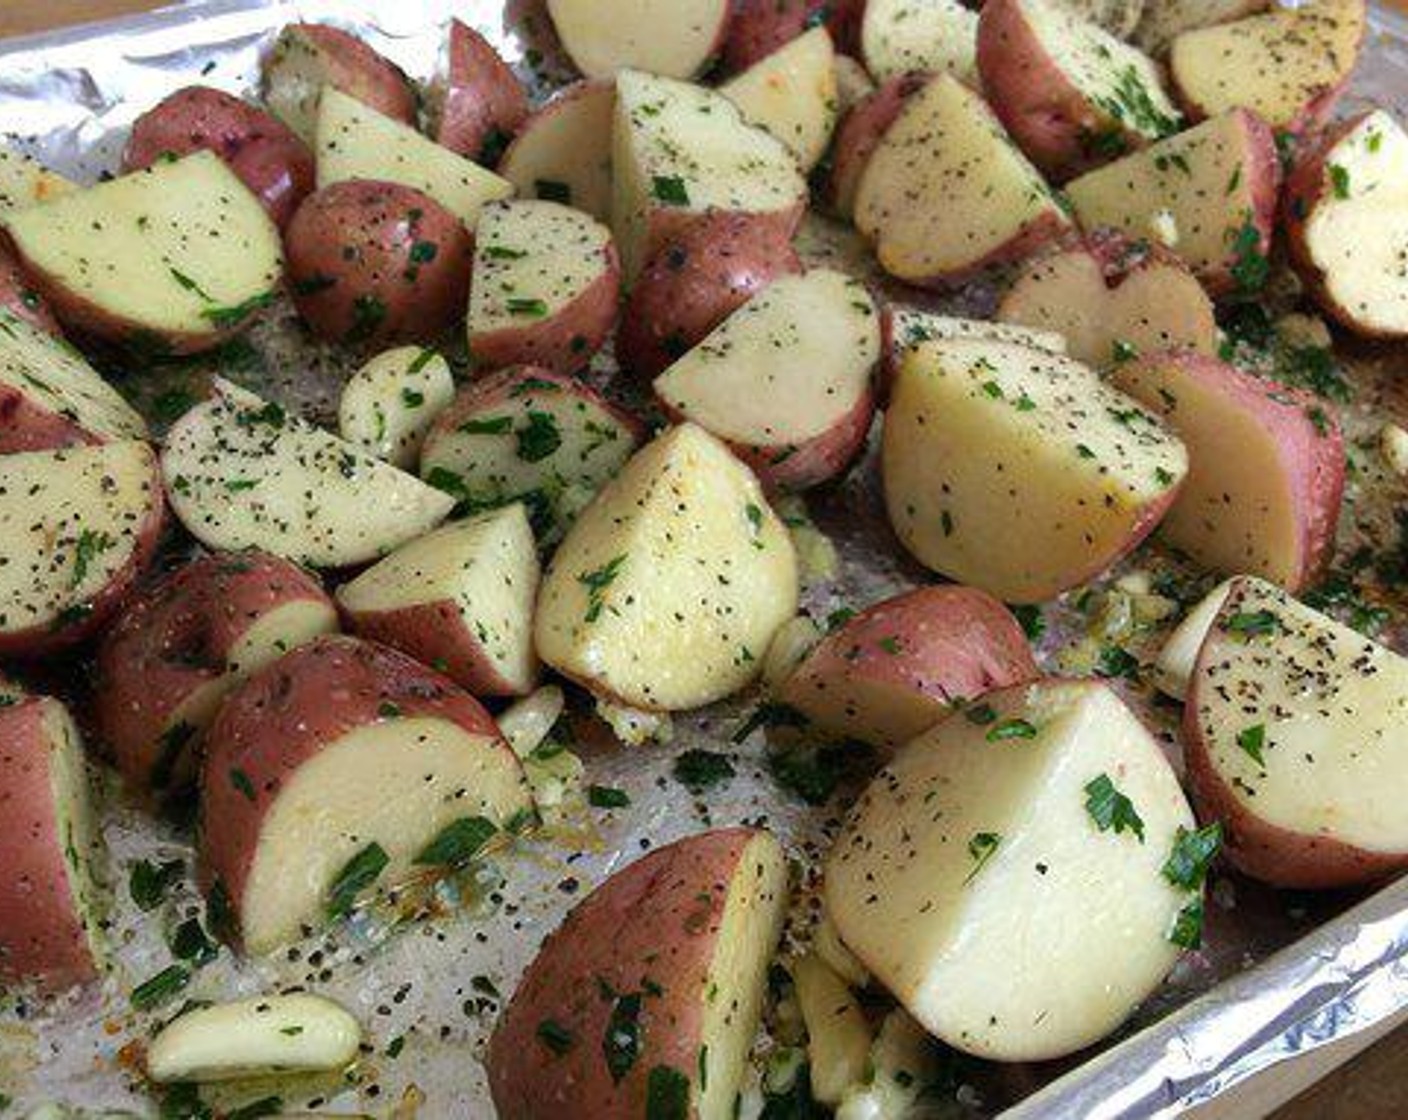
x,y
1281,973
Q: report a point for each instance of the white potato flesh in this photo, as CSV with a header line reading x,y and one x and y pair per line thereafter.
x,y
675,38
486,566
76,821
785,368
1019,471
1356,234
532,260
905,1063
563,151
1119,17
72,521
398,783
826,944
668,589
528,722
243,473
1276,64
356,142
1174,666
1163,20
946,188
56,379
682,150
838,1036
25,181
792,94
1332,709
261,1036
853,82
989,815
928,36
182,248
910,326
388,405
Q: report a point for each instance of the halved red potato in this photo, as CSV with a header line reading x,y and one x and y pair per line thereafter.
x,y
694,282
919,37
460,599
562,152
1209,194
650,990
791,94
19,300
1294,726
860,133
259,148
50,924
332,770
355,142
761,27
243,473
785,379
1112,298
680,152
1289,66
50,397
673,38
529,435
390,403
25,181
903,327
186,257
669,588
310,56
544,289
373,262
1071,94
901,665
1263,492
1162,21
1018,471
1034,802
180,648
1347,223
483,102
1173,668
80,524
941,214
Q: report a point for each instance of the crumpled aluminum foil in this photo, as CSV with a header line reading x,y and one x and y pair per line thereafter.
x,y
1280,974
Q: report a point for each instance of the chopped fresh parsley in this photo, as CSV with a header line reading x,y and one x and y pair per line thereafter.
x,y
223,318
1191,856
1010,729
596,582
981,847
1253,623
90,546
522,305
161,987
148,882
670,189
1250,267
1339,180
553,191
555,1036
1110,809
607,797
190,943
1187,931
457,843
700,770
666,1094
359,873
539,438
621,1043
1252,740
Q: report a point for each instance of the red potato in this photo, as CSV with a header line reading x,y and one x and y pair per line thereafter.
x,y
860,133
308,56
50,397
1294,728
374,263
694,283
545,287
761,27
266,155
1162,21
460,599
785,380
1346,214
80,524
792,95
1268,463
1209,194
919,36
49,926
678,943
20,300
340,750
181,647
901,665
672,38
484,102
1289,66
562,152
1112,298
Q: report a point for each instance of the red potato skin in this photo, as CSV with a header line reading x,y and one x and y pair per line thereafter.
x,y
955,643
23,301
1263,169
658,919
177,638
266,155
361,72
860,133
760,27
434,633
350,248
484,101
693,284
26,426
41,935
287,713
1049,230
565,341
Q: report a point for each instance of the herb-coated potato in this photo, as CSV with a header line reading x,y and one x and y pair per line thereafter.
x,y
763,27
860,133
562,152
392,400
263,151
673,38
791,94
919,36
1162,21
20,300
25,181
374,262
483,102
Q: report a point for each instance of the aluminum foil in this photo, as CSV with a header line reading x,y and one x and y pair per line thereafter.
x,y
1281,973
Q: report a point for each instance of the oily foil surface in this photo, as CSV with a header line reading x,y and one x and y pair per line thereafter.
x,y
1281,973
